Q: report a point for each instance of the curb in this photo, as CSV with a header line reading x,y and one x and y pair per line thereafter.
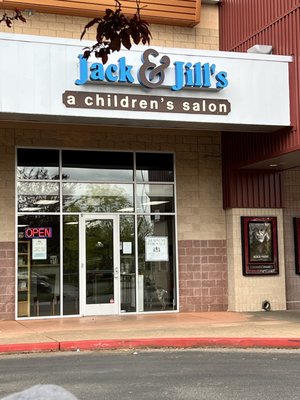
x,y
179,343
29,347
183,343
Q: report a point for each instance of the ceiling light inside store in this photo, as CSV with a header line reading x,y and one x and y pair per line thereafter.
x,y
29,209
71,223
128,209
154,203
46,202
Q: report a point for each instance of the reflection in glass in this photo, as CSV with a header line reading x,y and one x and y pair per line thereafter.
x,y
127,262
38,164
38,273
156,278
155,198
97,166
71,265
99,261
97,197
38,196
107,185
154,167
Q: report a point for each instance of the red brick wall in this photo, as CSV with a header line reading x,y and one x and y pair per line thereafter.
x,y
202,275
7,280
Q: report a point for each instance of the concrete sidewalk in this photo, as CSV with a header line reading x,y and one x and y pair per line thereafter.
x,y
279,329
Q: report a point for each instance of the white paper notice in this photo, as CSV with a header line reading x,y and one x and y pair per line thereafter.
x,y
39,249
156,248
127,248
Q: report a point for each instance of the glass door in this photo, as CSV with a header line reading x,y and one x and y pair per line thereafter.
x,y
100,265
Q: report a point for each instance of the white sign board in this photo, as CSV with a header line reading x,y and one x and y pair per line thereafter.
x,y
39,249
156,248
226,89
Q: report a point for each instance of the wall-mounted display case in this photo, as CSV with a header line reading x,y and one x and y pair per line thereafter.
x,y
259,245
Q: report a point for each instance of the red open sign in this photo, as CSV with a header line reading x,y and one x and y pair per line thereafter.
x,y
31,233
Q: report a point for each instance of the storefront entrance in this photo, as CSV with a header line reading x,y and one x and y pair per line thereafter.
x,y
96,232
100,266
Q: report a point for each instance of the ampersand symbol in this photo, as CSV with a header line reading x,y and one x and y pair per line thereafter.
x,y
146,79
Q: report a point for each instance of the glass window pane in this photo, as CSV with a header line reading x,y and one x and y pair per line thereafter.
x,y
156,263
154,167
38,164
155,198
97,197
99,261
38,266
97,166
71,265
127,260
38,196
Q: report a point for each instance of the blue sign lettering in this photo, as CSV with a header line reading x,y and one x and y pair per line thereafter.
x,y
125,71
151,74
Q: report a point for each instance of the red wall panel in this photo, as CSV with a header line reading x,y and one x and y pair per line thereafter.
x,y
251,189
244,23
243,19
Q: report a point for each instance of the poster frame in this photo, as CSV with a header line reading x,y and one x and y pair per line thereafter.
x,y
259,246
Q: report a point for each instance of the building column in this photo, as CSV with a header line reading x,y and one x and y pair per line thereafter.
x,y
247,293
7,218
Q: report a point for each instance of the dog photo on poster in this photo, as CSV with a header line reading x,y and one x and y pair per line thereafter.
x,y
259,245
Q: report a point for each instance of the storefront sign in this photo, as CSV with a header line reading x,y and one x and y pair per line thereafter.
x,y
38,233
151,73
110,101
156,248
163,87
39,249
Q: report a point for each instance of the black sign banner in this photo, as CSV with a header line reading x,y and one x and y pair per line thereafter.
x,y
129,102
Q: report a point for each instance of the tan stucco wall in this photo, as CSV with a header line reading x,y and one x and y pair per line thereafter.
x,y
203,36
198,169
7,184
247,293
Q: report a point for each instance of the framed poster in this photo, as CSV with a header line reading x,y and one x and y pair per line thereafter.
x,y
259,245
297,244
